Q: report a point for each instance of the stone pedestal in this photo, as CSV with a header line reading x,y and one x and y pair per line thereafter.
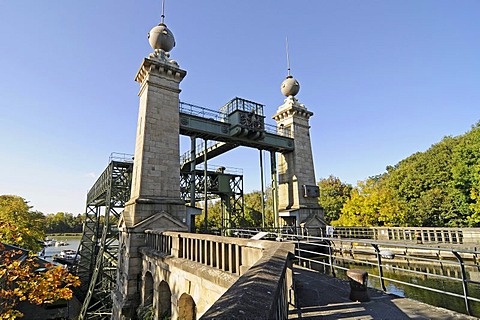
x,y
298,191
155,201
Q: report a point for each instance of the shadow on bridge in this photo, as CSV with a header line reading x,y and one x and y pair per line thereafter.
x,y
320,296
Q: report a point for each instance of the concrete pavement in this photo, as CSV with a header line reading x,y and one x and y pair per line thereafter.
x,y
323,297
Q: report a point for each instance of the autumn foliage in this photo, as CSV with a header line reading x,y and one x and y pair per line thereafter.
x,y
24,278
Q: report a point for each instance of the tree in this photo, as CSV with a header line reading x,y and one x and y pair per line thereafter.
x,y
436,188
22,280
251,217
474,219
371,204
333,195
63,222
214,215
16,211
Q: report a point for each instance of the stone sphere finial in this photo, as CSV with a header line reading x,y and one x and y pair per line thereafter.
x,y
161,38
290,86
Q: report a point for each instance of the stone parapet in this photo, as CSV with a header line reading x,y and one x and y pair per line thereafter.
x,y
263,292
262,270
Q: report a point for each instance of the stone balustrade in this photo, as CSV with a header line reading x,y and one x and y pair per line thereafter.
x,y
264,287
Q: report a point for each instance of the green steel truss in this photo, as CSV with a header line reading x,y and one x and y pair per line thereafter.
x,y
220,184
239,123
98,249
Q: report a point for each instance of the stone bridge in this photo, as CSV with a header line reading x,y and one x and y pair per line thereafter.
x,y
191,276
148,262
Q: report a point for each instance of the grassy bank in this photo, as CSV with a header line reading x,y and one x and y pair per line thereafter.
x,y
53,235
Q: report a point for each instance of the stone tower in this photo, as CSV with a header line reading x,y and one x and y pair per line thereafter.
x,y
297,189
155,201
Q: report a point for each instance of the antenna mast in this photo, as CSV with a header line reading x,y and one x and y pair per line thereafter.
x,y
163,11
288,57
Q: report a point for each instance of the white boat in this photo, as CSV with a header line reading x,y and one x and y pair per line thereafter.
x,y
68,254
49,242
61,243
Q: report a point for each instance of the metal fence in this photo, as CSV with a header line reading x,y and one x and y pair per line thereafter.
x,y
420,267
424,235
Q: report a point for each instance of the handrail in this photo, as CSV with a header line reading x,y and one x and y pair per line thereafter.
x,y
322,251
222,115
413,234
242,104
332,253
202,112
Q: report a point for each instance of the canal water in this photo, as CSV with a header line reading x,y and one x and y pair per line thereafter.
x,y
72,243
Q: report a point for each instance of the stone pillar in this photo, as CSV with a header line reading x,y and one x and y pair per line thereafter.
x,y
298,191
155,201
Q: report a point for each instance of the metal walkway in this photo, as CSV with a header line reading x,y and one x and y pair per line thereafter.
x,y
240,123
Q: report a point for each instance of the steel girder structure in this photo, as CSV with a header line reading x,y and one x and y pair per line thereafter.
x,y
98,249
226,186
232,204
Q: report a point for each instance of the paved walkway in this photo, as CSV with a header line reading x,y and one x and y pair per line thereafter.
x,y
323,297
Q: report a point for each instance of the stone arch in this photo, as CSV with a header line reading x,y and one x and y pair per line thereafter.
x,y
164,301
147,298
147,309
186,307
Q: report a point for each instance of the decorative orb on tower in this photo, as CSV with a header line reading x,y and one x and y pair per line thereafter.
x,y
161,40
290,86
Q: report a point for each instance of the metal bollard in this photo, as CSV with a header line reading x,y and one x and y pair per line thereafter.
x,y
358,285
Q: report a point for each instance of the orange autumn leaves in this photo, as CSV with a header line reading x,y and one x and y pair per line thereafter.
x,y
22,278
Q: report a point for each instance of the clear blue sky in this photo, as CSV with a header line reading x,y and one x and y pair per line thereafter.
x,y
385,79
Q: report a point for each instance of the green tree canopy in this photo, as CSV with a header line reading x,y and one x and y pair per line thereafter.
x,y
436,188
62,222
15,210
333,195
371,204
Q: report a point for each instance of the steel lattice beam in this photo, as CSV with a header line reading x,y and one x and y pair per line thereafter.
x,y
232,197
98,250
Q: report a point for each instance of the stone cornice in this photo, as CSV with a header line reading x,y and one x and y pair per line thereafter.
x,y
292,108
292,111
159,67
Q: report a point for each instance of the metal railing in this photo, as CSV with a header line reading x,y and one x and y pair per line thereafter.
x,y
202,112
386,260
222,115
270,233
280,130
121,157
413,234
243,105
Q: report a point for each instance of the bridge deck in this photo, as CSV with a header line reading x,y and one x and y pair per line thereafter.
x,y
323,297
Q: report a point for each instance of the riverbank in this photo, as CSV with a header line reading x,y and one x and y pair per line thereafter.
x,y
68,234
